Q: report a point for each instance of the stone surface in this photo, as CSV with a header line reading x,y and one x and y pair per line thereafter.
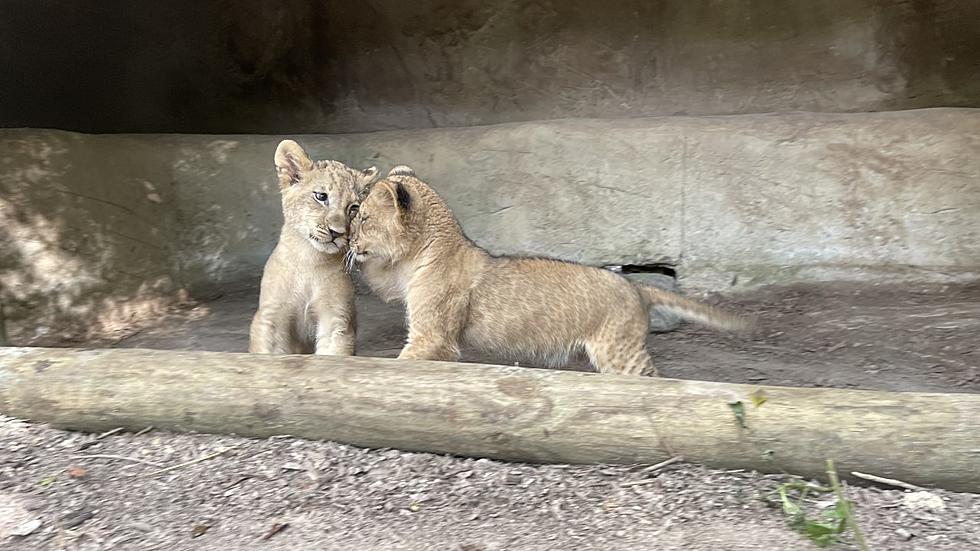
x,y
743,201
324,66
86,232
728,200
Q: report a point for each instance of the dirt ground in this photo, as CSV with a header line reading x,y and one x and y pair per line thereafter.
x,y
79,492
887,337
335,497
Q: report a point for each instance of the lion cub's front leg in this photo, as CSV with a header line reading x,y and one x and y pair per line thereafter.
x,y
429,348
434,326
270,333
333,307
335,337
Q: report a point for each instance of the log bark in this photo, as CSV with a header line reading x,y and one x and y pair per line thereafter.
x,y
500,412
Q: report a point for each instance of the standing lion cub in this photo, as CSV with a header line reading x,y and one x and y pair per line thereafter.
x,y
412,249
306,303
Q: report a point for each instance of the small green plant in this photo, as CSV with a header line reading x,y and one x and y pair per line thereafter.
x,y
847,508
827,528
48,480
738,408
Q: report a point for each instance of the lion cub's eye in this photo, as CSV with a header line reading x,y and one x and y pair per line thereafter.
x,y
352,210
321,197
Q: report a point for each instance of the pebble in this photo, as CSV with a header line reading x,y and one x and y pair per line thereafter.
x,y
918,501
26,528
904,534
142,526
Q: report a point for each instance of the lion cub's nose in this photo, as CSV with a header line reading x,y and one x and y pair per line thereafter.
x,y
334,234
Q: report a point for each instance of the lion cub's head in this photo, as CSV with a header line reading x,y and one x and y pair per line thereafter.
x,y
384,228
318,198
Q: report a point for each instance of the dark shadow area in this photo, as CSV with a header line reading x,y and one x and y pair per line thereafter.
x,y
326,66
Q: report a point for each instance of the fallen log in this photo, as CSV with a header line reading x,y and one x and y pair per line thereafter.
x,y
500,412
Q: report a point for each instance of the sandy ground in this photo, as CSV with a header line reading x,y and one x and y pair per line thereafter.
x,y
888,337
79,492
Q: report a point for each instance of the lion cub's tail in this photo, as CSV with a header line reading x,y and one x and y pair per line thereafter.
x,y
692,310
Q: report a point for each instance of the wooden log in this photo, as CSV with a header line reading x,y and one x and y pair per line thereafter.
x,y
501,412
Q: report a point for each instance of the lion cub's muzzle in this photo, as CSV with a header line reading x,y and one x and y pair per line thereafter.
x,y
324,238
352,256
355,253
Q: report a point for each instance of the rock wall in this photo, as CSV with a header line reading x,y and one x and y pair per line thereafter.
x,y
327,66
755,198
735,200
87,229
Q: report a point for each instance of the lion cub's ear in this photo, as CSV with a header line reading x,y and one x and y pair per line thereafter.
x,y
291,163
367,176
401,200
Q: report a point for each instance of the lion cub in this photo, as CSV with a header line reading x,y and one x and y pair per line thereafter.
x,y
306,303
412,249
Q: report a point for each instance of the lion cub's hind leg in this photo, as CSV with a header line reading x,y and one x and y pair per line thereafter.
x,y
620,347
612,357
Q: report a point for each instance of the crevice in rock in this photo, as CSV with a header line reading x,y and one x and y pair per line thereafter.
x,y
657,268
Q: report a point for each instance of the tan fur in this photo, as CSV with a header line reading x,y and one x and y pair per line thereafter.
x,y
412,249
306,303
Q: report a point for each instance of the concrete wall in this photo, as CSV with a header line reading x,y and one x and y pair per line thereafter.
x,y
86,232
326,66
737,199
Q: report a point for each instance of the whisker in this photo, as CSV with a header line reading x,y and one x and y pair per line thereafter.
x,y
349,259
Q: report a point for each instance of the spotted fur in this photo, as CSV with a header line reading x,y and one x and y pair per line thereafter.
x,y
412,249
